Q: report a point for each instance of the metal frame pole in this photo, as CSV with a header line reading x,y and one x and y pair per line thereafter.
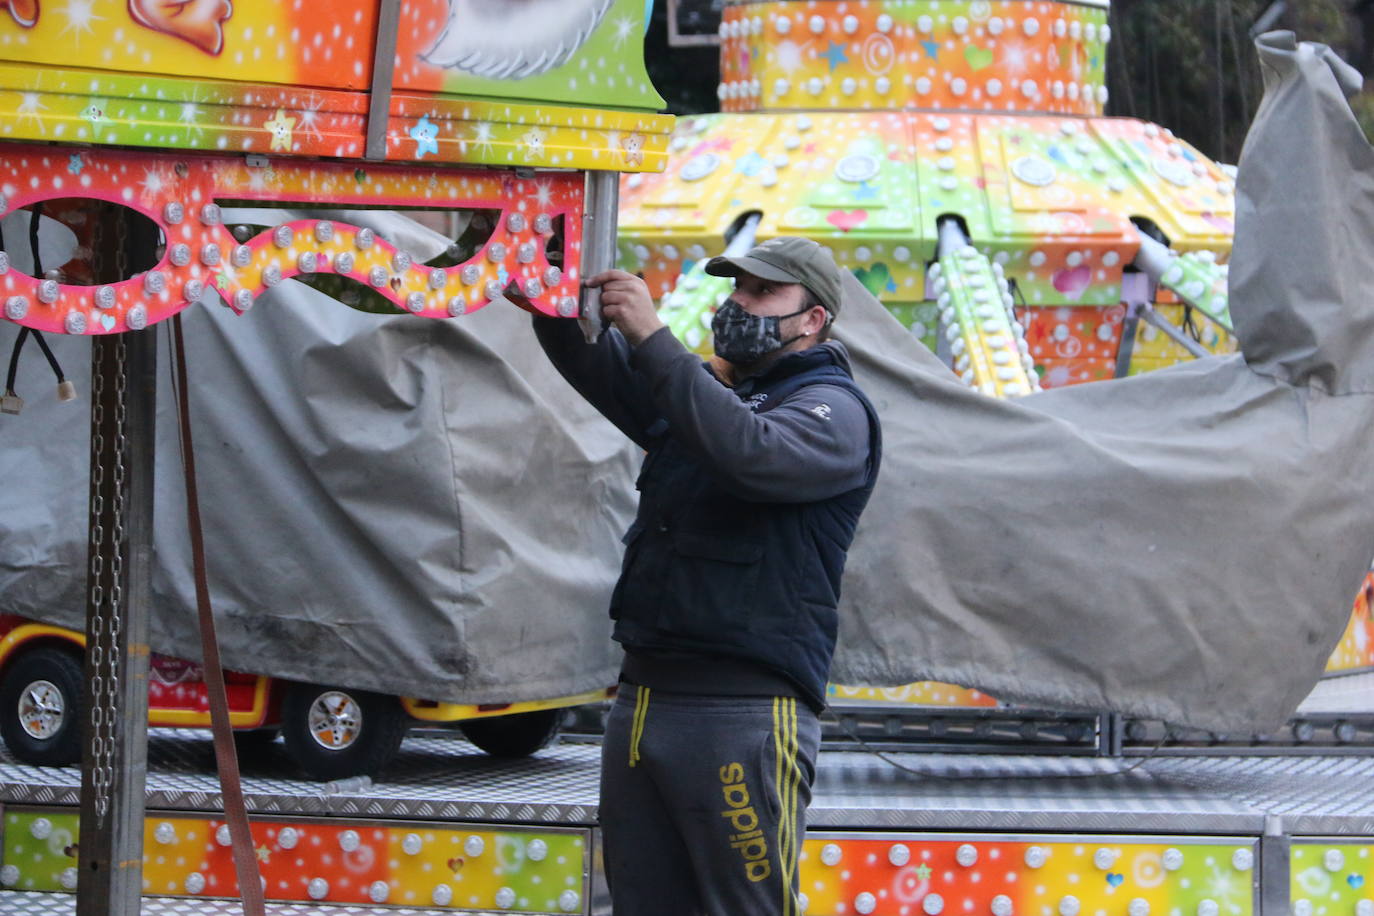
x,y
1150,316
598,244
115,757
1274,878
383,68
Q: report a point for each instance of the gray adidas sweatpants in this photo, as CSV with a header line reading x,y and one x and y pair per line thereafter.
x,y
703,802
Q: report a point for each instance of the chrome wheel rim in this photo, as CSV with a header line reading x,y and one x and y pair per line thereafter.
x,y
42,710
335,719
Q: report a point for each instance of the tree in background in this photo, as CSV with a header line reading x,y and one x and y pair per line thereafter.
x,y
1189,65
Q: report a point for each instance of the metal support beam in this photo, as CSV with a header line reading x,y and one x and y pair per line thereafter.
x,y
1126,353
599,890
115,711
383,69
598,243
1137,290
1150,316
1274,889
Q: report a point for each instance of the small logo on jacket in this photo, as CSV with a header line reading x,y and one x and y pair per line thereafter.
x,y
822,411
755,401
748,838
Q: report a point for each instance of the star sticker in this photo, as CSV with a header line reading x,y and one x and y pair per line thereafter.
x,y
865,191
75,164
750,164
835,54
264,854
922,871
424,133
280,126
533,141
94,112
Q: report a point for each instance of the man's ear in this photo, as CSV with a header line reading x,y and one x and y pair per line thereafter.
x,y
820,323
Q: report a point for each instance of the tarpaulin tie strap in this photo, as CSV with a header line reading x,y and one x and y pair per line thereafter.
x,y
235,813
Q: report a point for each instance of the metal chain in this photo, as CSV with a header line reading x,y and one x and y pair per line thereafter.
x,y
96,641
108,607
121,248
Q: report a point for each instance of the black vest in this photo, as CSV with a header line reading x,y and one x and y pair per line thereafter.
x,y
708,572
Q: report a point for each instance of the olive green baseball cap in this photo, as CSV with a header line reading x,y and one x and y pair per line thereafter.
x,y
787,259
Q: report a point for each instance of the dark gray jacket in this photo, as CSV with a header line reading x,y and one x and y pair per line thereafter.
x,y
748,502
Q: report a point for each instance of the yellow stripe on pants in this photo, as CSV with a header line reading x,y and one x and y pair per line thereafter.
x,y
637,728
786,777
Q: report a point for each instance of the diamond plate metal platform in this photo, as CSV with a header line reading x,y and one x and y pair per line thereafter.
x,y
432,778
440,778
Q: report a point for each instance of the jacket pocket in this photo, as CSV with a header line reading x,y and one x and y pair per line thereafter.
x,y
627,563
712,585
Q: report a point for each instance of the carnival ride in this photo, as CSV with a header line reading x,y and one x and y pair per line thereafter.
x,y
955,157
452,830
139,127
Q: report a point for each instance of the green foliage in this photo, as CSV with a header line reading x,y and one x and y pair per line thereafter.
x,y
1190,65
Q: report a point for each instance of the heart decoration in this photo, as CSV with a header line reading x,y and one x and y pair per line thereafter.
x,y
1355,881
1115,879
1072,283
1223,223
875,279
845,220
978,58
455,865
107,321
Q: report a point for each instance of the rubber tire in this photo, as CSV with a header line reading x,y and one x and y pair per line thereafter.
x,y
384,725
518,735
255,745
63,668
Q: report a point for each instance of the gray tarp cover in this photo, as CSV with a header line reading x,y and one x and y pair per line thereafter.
x,y
417,507
425,508
1182,545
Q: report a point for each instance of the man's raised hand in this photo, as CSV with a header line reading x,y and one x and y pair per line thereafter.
x,y
626,303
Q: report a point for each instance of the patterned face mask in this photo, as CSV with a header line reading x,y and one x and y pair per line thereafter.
x,y
743,338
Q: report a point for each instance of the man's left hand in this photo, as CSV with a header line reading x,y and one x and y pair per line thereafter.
x,y
625,302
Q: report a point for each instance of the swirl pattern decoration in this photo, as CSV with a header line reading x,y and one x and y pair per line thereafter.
x,y
179,193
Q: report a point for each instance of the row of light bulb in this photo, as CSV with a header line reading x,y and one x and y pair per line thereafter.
x,y
569,901
959,86
670,252
211,255
1035,857
536,850
742,27
1005,352
103,297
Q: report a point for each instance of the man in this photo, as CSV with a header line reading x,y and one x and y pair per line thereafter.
x,y
753,481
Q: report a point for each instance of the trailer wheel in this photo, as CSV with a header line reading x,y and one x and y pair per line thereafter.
x,y
41,700
338,732
255,745
517,735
